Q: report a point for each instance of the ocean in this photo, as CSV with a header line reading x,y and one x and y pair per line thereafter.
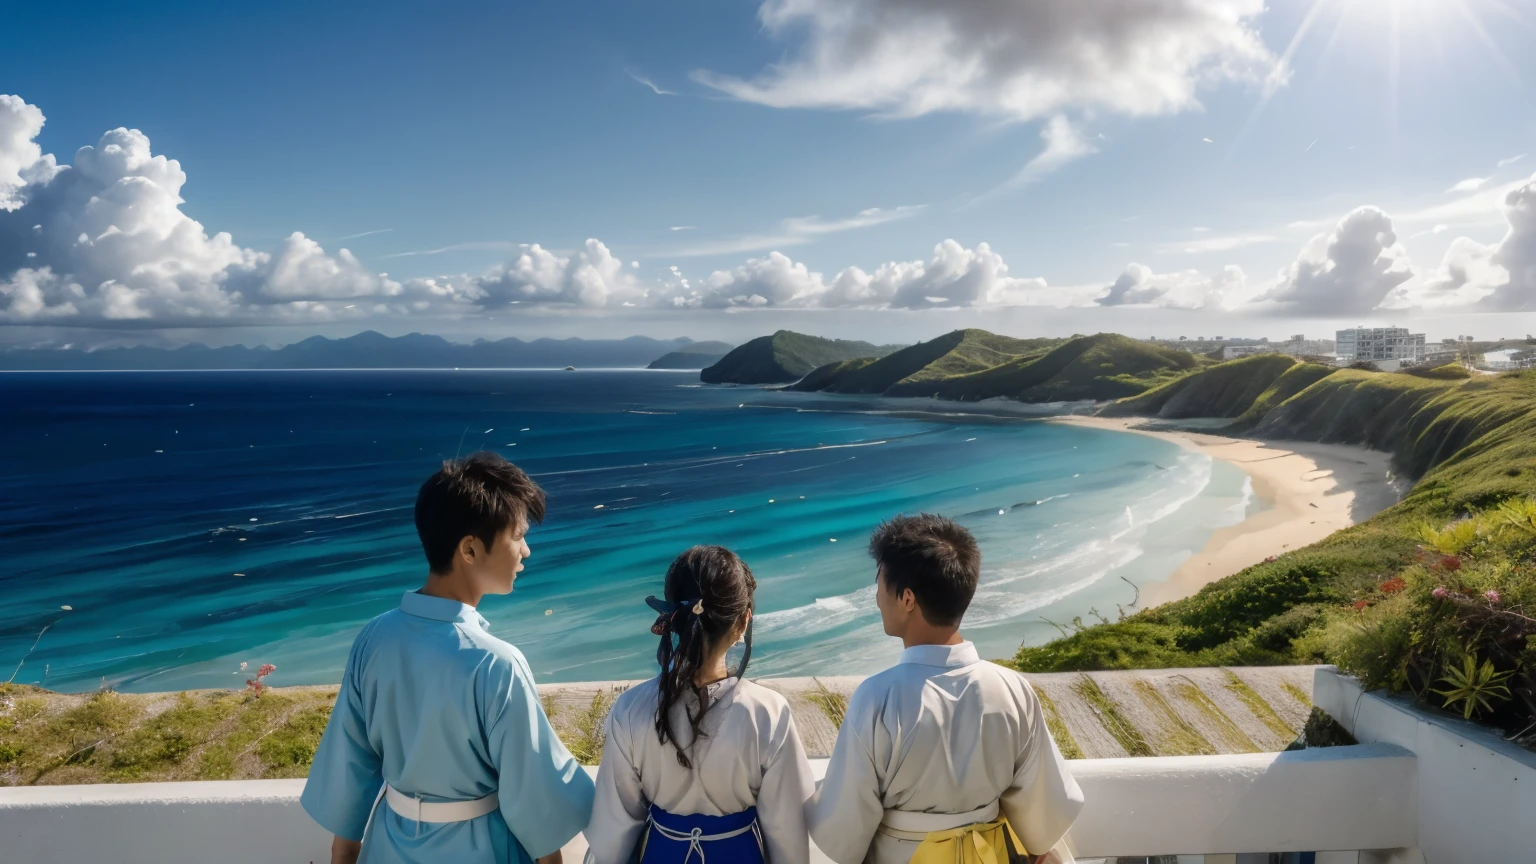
x,y
158,529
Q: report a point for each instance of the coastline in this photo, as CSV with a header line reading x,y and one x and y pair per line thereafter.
x,y
1312,491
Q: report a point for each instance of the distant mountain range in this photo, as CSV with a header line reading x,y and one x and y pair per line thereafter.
x,y
371,350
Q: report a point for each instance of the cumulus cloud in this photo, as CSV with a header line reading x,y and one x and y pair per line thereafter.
x,y
1002,57
1138,285
1500,277
591,276
1347,271
21,160
105,240
956,275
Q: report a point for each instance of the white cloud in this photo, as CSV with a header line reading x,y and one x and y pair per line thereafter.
x,y
590,277
1505,163
364,234
1347,271
302,271
793,232
1471,184
1063,144
647,82
105,240
955,276
21,160
1001,57
1500,277
1138,285
1215,244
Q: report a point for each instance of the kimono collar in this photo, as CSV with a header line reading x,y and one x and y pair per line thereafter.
x,y
950,656
440,609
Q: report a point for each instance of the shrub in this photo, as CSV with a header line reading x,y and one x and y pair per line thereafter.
x,y
1230,608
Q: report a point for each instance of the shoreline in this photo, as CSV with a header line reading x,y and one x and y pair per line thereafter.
x,y
1312,490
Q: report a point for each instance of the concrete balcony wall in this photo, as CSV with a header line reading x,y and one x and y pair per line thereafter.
x,y
1477,792
1365,804
1342,798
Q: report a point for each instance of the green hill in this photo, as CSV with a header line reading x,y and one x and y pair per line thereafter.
x,y
1224,390
784,357
913,370
696,355
1399,599
1101,367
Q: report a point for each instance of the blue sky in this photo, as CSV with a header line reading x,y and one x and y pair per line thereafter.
x,y
1210,156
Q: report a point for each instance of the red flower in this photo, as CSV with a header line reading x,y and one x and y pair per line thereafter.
x,y
1451,563
1360,605
1393,585
265,670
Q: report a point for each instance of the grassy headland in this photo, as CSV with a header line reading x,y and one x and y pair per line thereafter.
x,y
1364,598
972,365
785,357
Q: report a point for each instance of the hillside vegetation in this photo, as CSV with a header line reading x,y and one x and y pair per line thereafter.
x,y
1100,367
1225,390
785,357
910,371
1471,446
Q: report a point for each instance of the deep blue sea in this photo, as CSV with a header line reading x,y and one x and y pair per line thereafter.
x,y
192,521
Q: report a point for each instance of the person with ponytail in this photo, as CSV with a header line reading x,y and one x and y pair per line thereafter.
x,y
701,765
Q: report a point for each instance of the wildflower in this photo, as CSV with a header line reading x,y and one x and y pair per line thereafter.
x,y
1393,585
243,665
1360,605
1440,592
266,669
1451,563
1491,596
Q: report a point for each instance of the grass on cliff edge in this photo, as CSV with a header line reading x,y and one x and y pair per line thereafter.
x,y
1472,446
108,737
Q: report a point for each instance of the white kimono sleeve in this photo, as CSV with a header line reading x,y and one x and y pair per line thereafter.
x,y
1044,800
619,809
781,800
846,810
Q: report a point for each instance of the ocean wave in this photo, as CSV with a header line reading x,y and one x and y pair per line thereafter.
x,y
818,616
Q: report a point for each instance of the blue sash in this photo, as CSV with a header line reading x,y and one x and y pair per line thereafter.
x,y
673,839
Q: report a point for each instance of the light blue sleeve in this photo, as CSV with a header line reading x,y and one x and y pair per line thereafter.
x,y
345,778
546,797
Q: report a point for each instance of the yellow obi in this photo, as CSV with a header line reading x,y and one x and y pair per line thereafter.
x,y
978,837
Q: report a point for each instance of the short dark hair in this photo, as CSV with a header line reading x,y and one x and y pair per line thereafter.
x,y
479,496
933,556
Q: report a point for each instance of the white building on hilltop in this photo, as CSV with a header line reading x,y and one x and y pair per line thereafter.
x,y
1380,344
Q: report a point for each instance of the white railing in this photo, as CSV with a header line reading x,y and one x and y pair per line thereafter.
x,y
1342,798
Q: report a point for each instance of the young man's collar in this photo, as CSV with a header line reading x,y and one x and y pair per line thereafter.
x,y
962,654
440,609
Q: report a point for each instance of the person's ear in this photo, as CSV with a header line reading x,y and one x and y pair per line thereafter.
x,y
908,600
467,548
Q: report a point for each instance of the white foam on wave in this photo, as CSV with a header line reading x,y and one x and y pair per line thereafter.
x,y
820,615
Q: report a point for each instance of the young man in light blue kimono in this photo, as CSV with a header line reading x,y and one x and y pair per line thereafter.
x,y
438,749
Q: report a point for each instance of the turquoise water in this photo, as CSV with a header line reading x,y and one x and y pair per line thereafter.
x,y
196,520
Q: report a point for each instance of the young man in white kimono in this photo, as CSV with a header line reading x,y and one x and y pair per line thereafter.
x,y
440,716
944,754
701,766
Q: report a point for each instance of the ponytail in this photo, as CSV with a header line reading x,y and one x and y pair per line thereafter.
x,y
708,590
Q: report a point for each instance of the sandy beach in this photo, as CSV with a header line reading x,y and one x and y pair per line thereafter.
x,y
1312,491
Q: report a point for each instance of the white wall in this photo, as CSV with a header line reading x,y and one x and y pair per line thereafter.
x,y
1340,798
1477,798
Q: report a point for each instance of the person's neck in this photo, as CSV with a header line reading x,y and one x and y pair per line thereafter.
x,y
452,586
926,634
